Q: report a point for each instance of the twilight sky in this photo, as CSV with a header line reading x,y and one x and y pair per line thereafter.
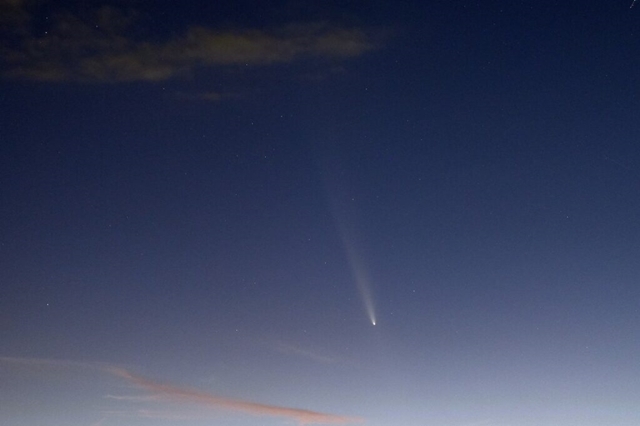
x,y
368,212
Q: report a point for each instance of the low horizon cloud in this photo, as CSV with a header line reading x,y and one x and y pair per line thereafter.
x,y
181,394
178,394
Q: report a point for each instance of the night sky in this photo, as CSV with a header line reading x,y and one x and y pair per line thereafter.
x,y
239,213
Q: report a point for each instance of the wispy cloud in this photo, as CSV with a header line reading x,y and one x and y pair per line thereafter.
x,y
100,47
159,391
53,363
99,422
164,415
290,349
208,96
181,394
135,398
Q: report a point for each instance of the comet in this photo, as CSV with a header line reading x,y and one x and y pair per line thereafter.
x,y
360,275
343,209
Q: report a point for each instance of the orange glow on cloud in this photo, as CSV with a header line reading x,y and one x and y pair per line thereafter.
x,y
179,394
174,393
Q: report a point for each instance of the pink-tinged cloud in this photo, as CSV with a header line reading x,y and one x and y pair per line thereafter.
x,y
172,393
180,394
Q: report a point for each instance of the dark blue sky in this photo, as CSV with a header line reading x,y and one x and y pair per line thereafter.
x,y
203,208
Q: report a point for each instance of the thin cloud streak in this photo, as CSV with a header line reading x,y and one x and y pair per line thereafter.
x,y
175,393
209,96
172,393
53,363
165,415
289,349
99,422
153,414
135,398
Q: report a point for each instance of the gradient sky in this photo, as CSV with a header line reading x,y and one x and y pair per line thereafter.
x,y
204,209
